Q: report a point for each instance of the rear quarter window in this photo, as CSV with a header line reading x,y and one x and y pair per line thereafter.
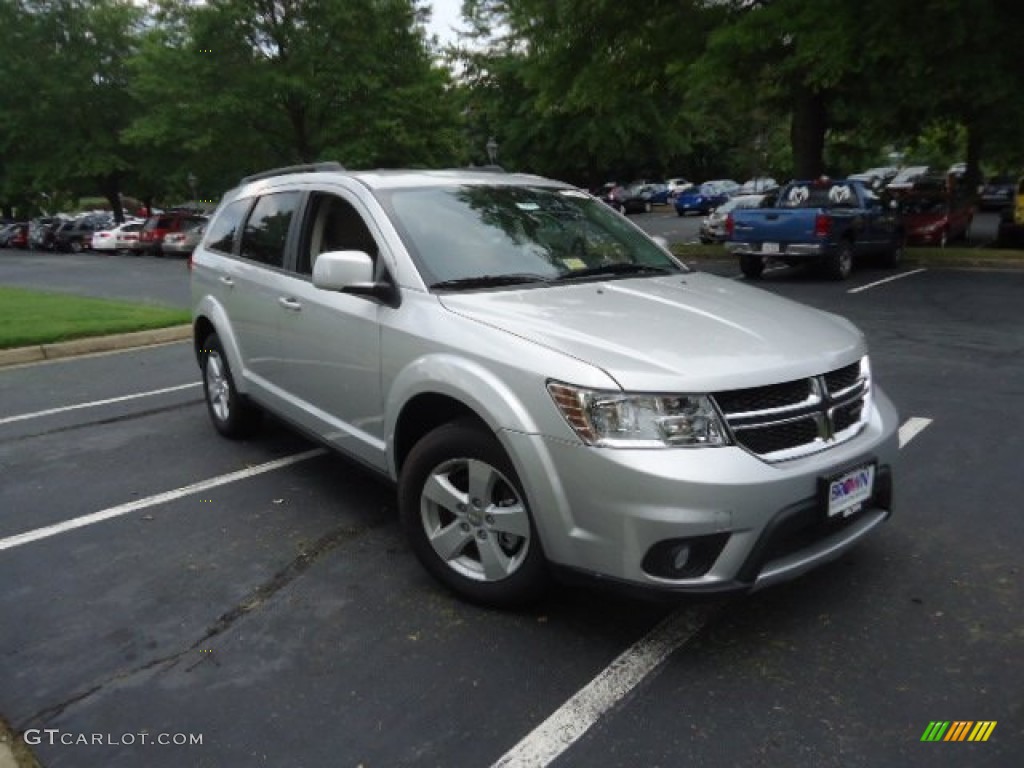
x,y
220,235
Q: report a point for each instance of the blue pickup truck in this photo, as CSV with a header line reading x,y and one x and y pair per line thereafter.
x,y
826,221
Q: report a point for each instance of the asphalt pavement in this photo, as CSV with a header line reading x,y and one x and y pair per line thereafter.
x,y
255,603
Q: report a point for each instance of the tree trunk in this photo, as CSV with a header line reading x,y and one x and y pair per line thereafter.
x,y
112,191
973,177
807,133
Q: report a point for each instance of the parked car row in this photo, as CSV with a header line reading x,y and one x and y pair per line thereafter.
x,y
174,232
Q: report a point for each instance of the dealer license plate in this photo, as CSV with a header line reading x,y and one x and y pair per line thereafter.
x,y
847,493
769,247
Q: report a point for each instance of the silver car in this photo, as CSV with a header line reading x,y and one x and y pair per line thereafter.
x,y
712,227
552,391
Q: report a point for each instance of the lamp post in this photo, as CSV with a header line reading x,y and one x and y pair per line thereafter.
x,y
192,181
492,150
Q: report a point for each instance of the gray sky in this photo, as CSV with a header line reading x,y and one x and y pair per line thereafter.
x,y
446,15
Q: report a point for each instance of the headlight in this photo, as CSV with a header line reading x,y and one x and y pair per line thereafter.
x,y
624,420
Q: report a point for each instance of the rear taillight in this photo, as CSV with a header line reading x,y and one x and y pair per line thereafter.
x,y
730,225
822,225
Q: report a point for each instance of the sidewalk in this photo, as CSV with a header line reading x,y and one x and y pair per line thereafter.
x,y
58,350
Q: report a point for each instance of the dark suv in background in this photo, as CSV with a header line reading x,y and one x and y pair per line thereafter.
x,y
76,235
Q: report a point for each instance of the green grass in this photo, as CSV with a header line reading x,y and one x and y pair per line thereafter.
x,y
34,317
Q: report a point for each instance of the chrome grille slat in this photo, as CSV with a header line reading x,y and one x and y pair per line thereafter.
x,y
796,418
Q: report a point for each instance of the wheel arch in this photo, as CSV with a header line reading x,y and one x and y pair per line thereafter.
x,y
422,414
210,317
440,388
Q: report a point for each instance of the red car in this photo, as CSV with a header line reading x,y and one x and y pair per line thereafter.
x,y
156,228
936,218
16,236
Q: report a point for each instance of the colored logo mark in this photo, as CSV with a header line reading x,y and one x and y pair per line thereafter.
x,y
958,730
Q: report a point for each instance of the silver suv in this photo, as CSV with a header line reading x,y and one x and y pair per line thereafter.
x,y
551,390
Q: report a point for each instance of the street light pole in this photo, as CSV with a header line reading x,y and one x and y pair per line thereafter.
x,y
192,181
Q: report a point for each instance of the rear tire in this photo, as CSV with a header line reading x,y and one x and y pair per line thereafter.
x,y
752,266
231,412
839,265
894,256
466,517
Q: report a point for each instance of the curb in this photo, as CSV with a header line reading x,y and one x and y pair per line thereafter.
x,y
62,349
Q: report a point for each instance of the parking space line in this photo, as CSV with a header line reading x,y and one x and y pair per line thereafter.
x,y
574,718
900,276
96,403
911,428
161,498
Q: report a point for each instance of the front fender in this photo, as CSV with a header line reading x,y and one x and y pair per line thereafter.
x,y
476,386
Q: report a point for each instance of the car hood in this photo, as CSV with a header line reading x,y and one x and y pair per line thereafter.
x,y
691,332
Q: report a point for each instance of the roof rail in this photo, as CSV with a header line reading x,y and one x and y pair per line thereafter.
x,y
492,168
328,165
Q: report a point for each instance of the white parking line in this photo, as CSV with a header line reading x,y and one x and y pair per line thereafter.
x,y
911,428
151,501
573,719
96,403
900,276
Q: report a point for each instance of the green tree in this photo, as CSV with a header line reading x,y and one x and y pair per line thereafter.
x,y
232,86
65,99
579,88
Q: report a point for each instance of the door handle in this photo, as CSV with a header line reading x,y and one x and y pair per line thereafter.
x,y
227,281
289,303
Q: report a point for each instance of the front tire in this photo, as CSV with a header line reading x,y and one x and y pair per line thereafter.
x,y
466,517
230,411
752,266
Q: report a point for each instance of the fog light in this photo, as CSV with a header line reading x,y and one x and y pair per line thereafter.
x,y
681,556
684,558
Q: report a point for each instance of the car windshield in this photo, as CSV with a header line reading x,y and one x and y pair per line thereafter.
x,y
487,235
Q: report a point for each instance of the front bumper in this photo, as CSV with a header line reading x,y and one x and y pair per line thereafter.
x,y
603,511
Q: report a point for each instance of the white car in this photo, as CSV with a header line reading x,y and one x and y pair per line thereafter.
x,y
120,238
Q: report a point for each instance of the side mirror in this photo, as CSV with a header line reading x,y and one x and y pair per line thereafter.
x,y
340,270
352,272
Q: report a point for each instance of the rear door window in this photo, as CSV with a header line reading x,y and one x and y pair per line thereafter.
x,y
266,231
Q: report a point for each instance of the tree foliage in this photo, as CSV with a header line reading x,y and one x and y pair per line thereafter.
x,y
112,96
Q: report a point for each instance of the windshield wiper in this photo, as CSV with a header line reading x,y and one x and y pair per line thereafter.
x,y
626,268
489,281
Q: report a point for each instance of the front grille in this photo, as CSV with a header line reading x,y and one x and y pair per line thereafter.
x,y
780,437
844,378
764,398
845,416
794,418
